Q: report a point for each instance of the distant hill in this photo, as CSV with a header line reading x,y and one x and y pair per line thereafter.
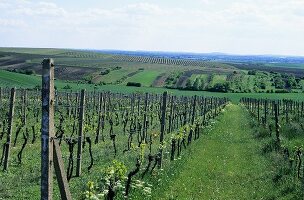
x,y
191,71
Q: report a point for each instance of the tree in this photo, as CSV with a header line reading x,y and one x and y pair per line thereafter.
x,y
197,84
220,87
252,72
291,82
189,84
279,83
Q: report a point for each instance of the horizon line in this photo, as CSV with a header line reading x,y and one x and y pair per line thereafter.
x,y
158,51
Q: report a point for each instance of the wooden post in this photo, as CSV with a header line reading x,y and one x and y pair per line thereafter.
x,y
24,107
47,129
276,109
10,129
144,137
60,173
50,150
171,115
0,97
205,111
162,128
80,133
192,119
99,118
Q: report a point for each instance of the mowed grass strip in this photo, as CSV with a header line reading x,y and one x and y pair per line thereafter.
x,y
146,78
224,164
9,79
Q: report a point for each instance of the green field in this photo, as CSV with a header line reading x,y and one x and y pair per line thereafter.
x,y
10,79
234,157
100,68
146,78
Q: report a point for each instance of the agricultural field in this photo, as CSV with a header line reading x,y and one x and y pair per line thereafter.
x,y
104,68
115,126
192,130
101,68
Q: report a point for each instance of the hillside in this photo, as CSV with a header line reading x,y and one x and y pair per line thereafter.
x,y
170,71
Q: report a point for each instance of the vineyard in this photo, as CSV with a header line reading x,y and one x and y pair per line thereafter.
x,y
280,125
167,61
119,145
146,132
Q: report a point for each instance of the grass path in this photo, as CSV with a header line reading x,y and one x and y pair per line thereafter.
x,y
224,164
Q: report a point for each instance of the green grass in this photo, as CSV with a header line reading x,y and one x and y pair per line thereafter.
x,y
113,76
146,78
224,164
10,79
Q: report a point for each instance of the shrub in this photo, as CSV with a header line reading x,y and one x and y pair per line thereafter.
x,y
67,87
117,68
134,84
282,91
29,71
252,72
105,72
220,87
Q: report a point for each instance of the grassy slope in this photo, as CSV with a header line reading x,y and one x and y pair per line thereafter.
x,y
224,164
146,78
76,61
85,65
10,79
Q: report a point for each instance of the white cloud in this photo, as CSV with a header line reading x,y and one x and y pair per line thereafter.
x,y
207,26
11,23
39,9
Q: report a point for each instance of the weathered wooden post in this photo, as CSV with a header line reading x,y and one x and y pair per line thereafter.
x,y
277,126
171,115
80,133
60,173
205,111
162,128
0,97
24,103
50,150
47,129
10,129
192,119
100,113
144,137
286,103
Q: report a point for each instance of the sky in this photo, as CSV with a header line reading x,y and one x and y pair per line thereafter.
x,y
229,26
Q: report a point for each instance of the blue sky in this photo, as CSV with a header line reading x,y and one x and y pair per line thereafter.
x,y
239,26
